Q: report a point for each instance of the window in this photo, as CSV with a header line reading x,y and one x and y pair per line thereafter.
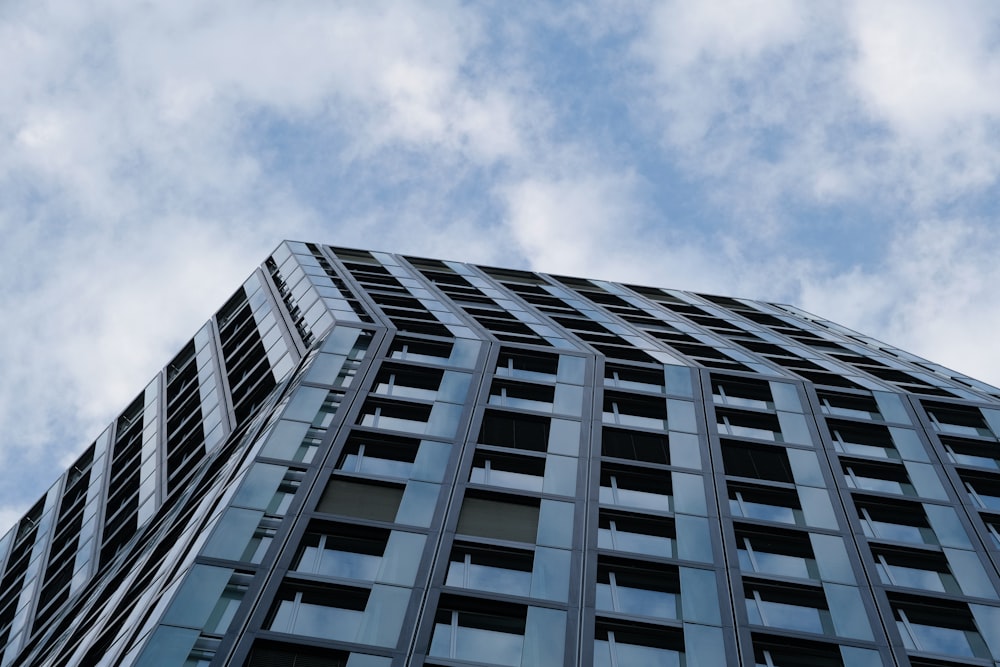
x,y
768,462
409,349
527,365
775,552
742,393
395,416
915,569
984,490
789,608
862,440
749,425
515,430
635,411
500,519
413,382
756,502
631,487
630,588
522,396
632,378
959,420
497,570
994,530
868,476
971,453
270,654
636,446
385,456
326,413
242,535
331,612
341,550
783,652
269,487
379,502
636,645
208,599
512,472
636,534
229,601
898,522
466,629
845,405
938,627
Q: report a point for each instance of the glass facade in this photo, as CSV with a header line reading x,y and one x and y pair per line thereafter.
x,y
372,460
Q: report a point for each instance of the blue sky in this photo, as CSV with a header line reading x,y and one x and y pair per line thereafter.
x,y
842,156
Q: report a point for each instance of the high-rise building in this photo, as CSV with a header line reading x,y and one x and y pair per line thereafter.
x,y
371,460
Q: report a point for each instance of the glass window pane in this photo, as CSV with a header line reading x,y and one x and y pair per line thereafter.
x,y
198,596
310,612
354,555
685,451
634,489
550,574
383,615
286,442
544,637
564,437
368,501
417,505
560,475
635,590
496,570
555,524
401,558
630,533
167,644
680,416
847,611
259,486
235,534
479,637
431,461
498,520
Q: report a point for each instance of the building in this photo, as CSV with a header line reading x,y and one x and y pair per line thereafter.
x,y
372,460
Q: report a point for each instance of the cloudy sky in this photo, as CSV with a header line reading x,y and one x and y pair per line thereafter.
x,y
842,156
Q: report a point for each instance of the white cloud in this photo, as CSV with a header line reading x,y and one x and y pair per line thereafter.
x,y
933,296
823,103
729,30
924,66
931,74
568,223
580,219
889,109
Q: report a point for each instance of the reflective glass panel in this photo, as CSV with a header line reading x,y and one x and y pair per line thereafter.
x,y
508,471
765,505
311,612
786,558
633,489
385,458
785,611
926,571
348,556
490,570
636,591
922,633
478,637
623,648
636,535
